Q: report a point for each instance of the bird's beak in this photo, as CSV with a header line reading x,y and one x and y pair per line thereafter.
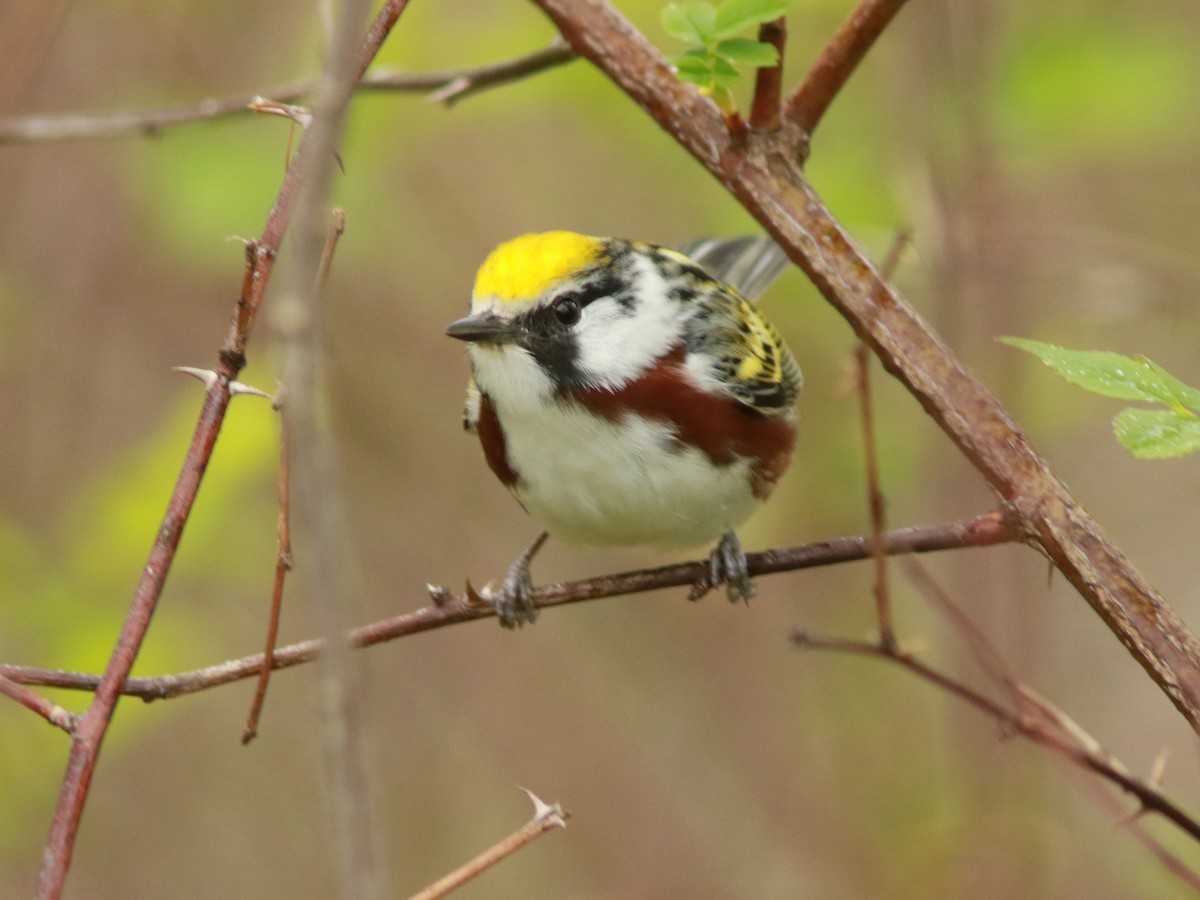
x,y
484,328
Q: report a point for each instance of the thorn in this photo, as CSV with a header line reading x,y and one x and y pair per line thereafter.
x,y
298,114
475,598
207,376
236,387
438,594
1159,767
449,91
543,811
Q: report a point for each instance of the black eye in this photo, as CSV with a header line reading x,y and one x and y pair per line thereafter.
x,y
567,311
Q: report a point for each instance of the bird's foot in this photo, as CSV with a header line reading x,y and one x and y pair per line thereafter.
x,y
513,601
726,565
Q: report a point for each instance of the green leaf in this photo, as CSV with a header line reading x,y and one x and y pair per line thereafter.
x,y
733,16
1174,393
745,52
692,22
1157,433
723,74
1108,374
693,68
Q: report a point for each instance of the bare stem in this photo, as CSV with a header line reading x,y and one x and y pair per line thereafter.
x,y
837,62
1036,727
448,87
283,565
875,501
545,818
449,609
93,724
768,81
51,712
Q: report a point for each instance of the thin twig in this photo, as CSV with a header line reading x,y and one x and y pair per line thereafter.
x,y
283,557
768,81
449,609
875,499
1032,727
545,818
92,726
446,87
283,565
51,712
1030,714
837,62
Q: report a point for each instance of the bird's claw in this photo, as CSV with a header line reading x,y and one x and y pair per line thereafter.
x,y
726,565
513,602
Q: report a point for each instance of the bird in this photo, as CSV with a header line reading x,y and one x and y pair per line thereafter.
x,y
629,394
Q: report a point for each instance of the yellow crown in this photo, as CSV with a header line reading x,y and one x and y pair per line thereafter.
x,y
518,271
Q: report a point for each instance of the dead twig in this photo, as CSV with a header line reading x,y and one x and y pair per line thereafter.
x,y
92,725
51,712
768,81
448,87
837,62
545,818
875,499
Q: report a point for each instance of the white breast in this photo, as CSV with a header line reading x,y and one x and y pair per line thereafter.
x,y
591,481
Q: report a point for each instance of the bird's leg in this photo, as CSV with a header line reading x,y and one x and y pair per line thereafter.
x,y
514,601
727,565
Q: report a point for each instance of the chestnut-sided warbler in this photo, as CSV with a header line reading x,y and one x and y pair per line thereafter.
x,y
628,394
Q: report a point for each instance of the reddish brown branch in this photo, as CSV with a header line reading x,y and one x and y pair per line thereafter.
x,y
51,712
449,609
764,177
283,565
93,724
545,818
768,81
1032,722
875,501
837,62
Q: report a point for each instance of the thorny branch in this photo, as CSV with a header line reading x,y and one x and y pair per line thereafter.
x,y
283,554
447,87
92,725
546,817
978,531
1027,713
762,174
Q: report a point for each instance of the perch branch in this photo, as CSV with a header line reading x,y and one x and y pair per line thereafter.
x,y
448,609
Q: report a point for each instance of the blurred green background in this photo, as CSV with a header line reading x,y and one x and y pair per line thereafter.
x,y
1046,157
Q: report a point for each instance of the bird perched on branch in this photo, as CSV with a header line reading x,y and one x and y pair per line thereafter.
x,y
629,394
